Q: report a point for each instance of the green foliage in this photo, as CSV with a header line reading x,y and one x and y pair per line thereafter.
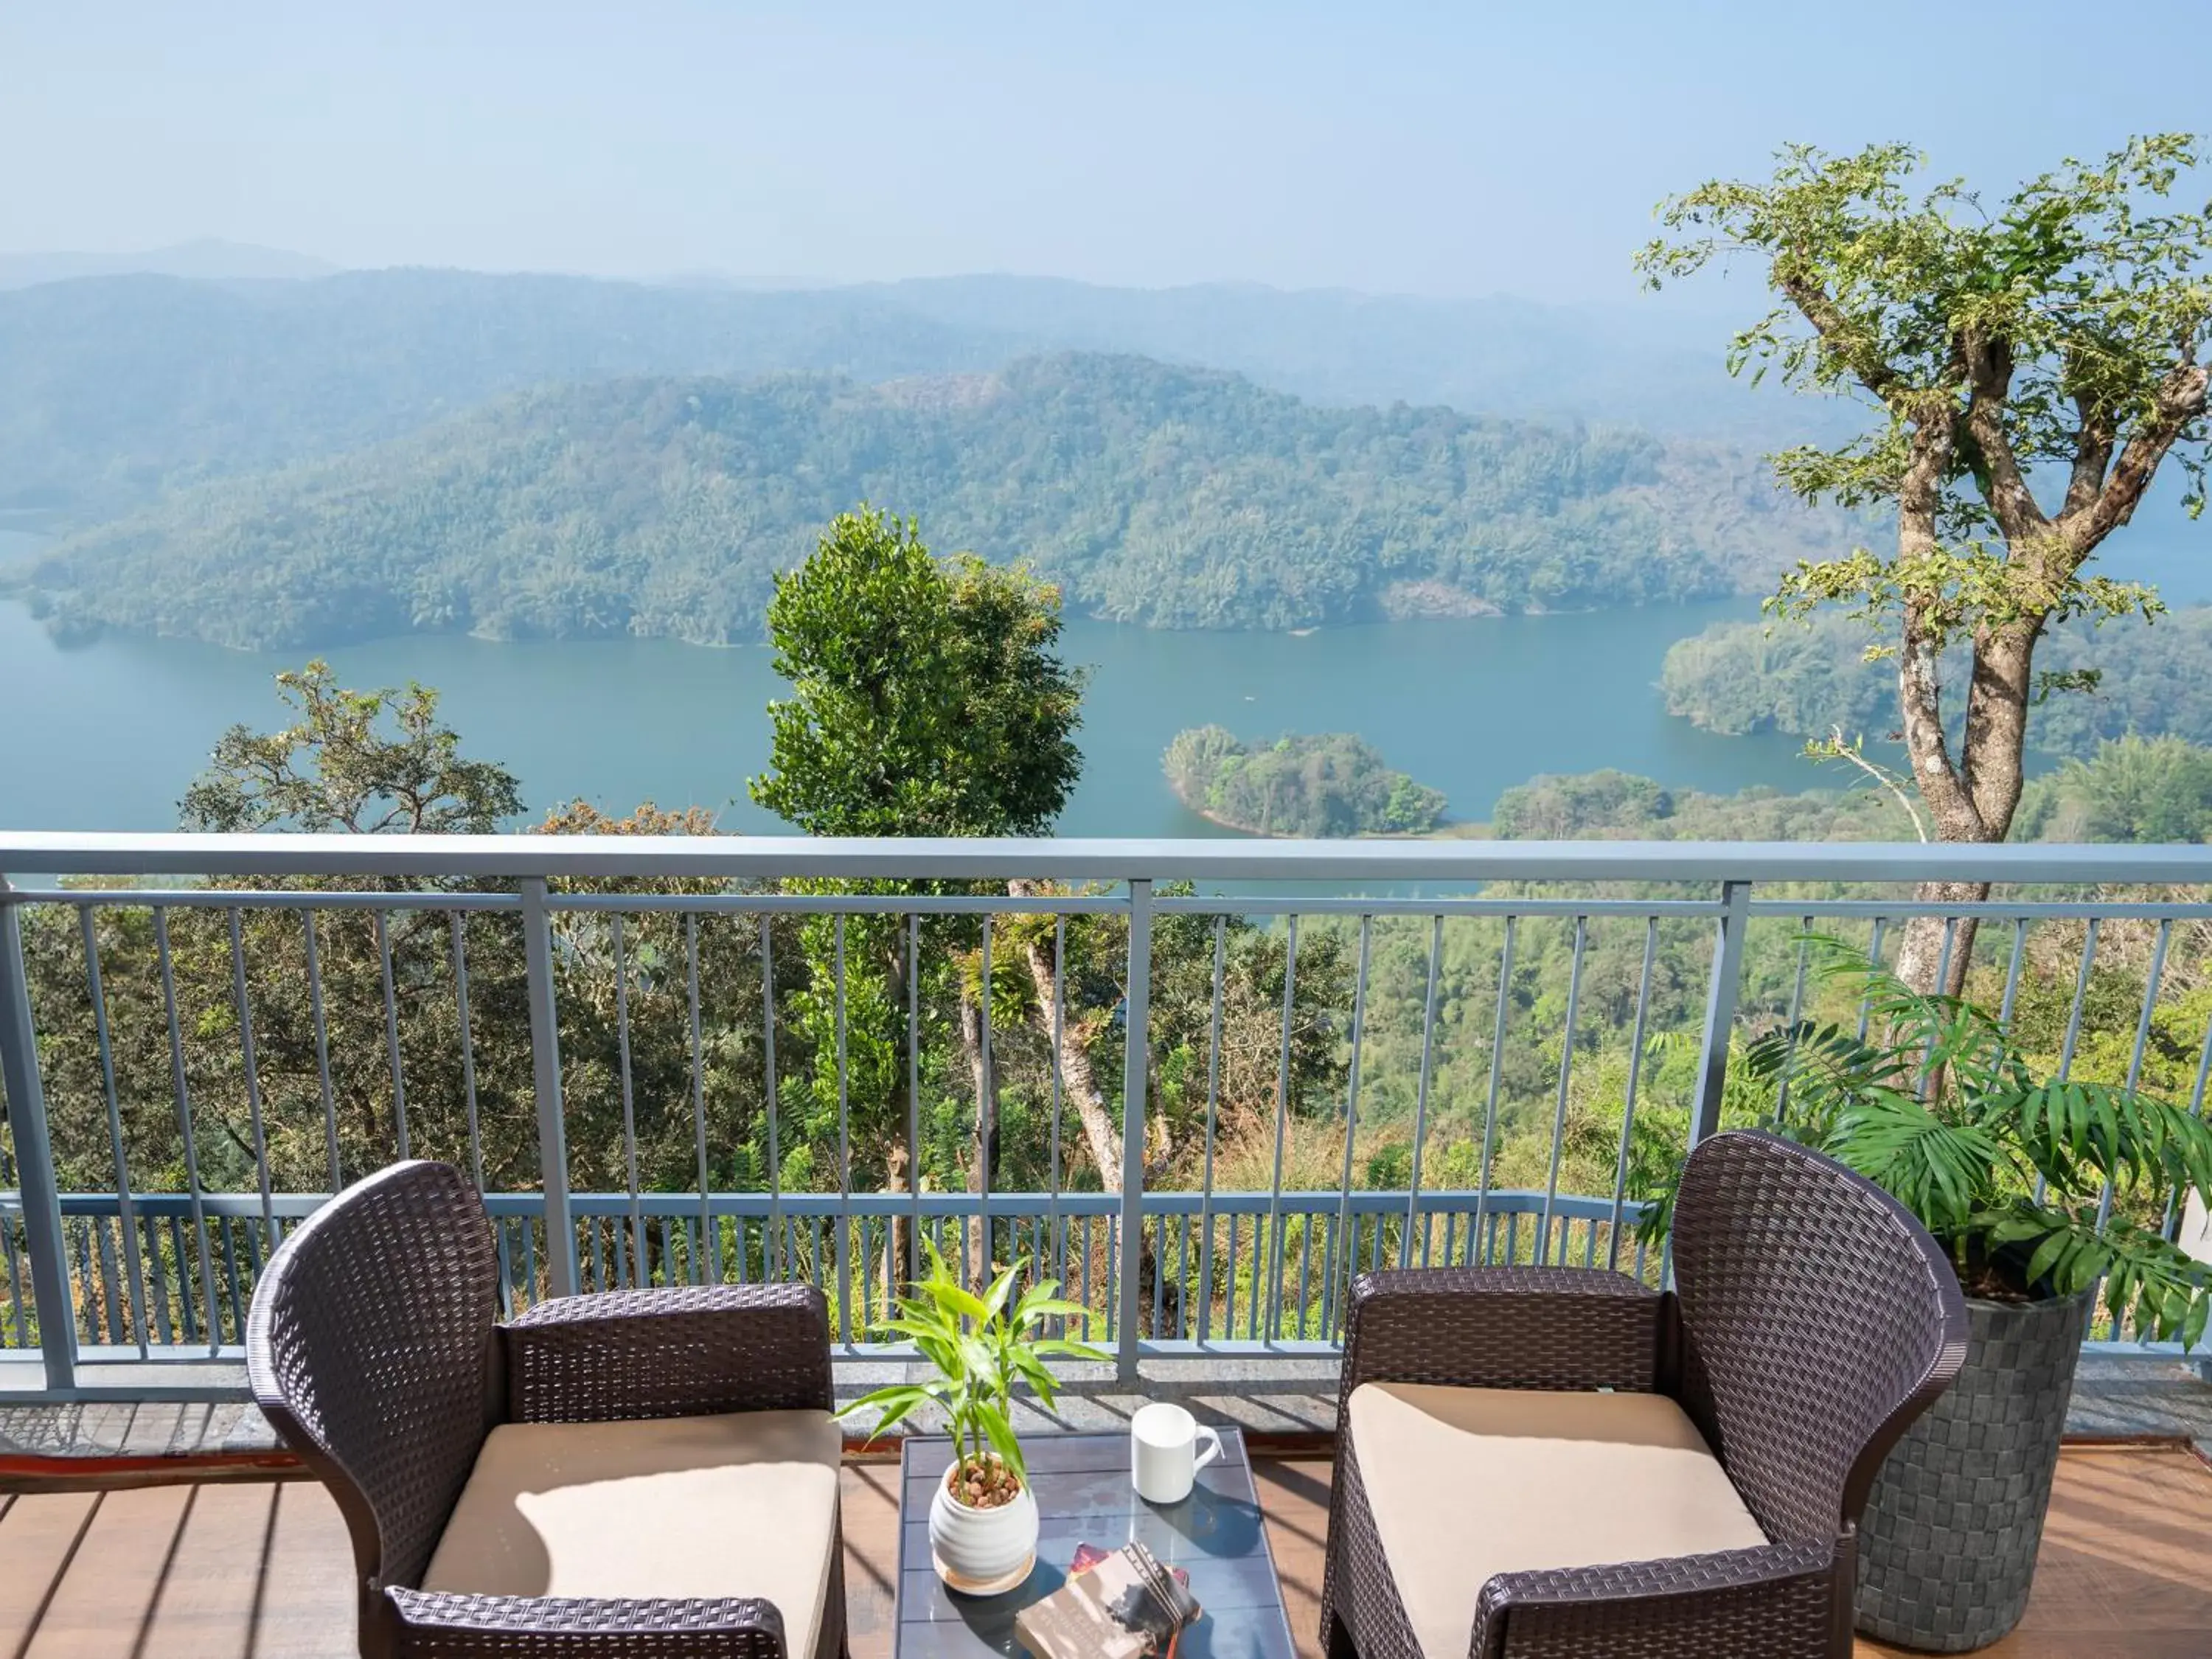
x,y
926,698
335,768
2138,789
1331,785
1809,680
1609,805
985,1348
2024,1179
1161,496
2053,332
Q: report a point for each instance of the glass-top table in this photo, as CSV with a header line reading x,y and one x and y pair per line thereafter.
x,y
1084,1497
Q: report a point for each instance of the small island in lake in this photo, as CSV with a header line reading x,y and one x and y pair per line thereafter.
x,y
1333,784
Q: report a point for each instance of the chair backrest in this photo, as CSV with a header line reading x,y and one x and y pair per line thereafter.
x,y
371,1347
1818,1320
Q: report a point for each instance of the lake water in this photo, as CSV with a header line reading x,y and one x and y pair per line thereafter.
x,y
106,736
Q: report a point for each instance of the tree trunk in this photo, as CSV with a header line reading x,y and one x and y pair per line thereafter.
x,y
1102,1135
983,1136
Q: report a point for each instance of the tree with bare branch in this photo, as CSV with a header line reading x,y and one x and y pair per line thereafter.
x,y
2028,366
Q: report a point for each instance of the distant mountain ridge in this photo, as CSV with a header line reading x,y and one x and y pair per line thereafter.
x,y
208,259
121,388
1157,494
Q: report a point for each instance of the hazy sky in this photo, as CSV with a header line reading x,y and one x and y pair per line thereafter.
x,y
1449,149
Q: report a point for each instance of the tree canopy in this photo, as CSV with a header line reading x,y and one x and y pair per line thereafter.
x,y
1333,784
927,697
1167,496
2027,364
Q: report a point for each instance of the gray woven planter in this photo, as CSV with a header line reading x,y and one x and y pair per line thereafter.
x,y
1947,1547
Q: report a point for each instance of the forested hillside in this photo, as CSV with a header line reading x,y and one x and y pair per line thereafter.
x,y
1154,494
1737,678
117,387
1333,784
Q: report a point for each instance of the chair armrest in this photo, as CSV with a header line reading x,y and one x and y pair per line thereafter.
x,y
685,1352
430,1625
1503,1327
1777,1600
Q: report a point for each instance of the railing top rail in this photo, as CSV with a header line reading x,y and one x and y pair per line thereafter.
x,y
42,853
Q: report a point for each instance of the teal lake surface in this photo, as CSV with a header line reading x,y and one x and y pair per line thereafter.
x,y
105,736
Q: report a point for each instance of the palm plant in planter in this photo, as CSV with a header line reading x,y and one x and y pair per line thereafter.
x,y
2035,1187
983,1519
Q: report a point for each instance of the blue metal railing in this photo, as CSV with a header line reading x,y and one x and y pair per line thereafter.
x,y
148,1275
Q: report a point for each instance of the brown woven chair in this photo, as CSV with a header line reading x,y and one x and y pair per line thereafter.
x,y
1559,1461
532,1488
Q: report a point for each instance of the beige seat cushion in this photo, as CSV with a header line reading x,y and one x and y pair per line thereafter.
x,y
743,1505
1466,1483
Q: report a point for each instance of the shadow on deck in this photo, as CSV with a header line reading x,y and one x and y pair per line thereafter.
x,y
259,1569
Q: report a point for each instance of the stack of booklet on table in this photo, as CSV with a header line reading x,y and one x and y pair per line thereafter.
x,y
1120,1604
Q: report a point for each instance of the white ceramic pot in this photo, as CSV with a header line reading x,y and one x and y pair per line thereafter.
x,y
981,1551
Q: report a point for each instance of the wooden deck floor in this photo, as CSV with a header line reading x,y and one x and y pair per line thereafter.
x,y
259,1570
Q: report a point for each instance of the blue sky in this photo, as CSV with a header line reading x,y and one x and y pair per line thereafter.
x,y
1448,149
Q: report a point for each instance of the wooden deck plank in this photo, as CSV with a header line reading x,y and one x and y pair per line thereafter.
x,y
102,1606
37,1535
206,1604
306,1604
247,1570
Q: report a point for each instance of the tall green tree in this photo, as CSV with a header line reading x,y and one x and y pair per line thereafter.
x,y
2027,365
928,699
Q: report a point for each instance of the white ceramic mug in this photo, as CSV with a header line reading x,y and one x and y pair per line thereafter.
x,y
1163,1455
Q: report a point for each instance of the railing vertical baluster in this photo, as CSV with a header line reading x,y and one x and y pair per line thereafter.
x,y
2197,1108
1421,1099
1720,1007
251,1072
986,1118
1059,1034
322,1030
392,1033
1874,956
456,924
2074,1021
2142,1040
545,1071
913,1095
2012,972
1212,1126
1229,1295
184,1130
706,1260
1796,1013
2081,997
1136,1066
34,1155
772,1260
1628,1100
843,1253
1497,1076
1344,1240
1560,1112
628,1097
18,1321
126,1201
1274,1249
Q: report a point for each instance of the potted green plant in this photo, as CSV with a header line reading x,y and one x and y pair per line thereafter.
x,y
2037,1189
984,1518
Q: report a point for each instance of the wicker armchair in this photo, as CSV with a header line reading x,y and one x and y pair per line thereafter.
x,y
636,1472
1560,1462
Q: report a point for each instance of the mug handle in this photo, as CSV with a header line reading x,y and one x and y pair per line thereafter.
x,y
1212,1448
